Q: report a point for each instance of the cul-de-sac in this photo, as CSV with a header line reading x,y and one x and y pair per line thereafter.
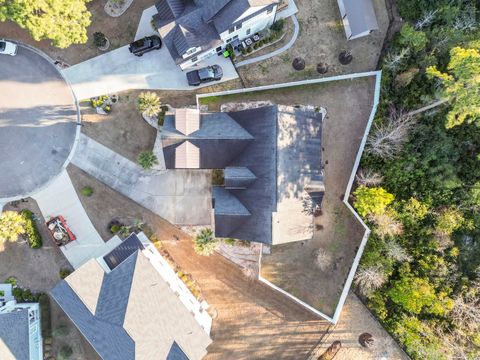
x,y
239,180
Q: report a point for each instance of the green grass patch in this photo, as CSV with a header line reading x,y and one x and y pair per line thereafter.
x,y
31,231
87,191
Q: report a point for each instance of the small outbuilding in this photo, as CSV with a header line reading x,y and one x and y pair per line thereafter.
x,y
358,17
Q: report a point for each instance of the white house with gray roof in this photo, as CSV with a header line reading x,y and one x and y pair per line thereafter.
x,y
131,305
193,30
358,17
20,331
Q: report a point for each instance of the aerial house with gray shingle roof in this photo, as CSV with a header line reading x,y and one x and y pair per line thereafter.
x,y
130,305
273,173
193,30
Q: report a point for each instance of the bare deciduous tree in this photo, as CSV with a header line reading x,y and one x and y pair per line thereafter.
x,y
395,251
387,139
425,20
466,311
369,279
466,21
386,225
323,259
367,177
393,61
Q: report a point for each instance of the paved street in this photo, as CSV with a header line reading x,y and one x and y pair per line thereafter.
x,y
38,117
119,70
179,196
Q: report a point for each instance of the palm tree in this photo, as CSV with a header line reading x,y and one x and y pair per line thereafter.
x,y
147,160
148,103
205,243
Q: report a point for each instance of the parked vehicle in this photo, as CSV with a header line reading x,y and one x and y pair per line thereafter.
x,y
204,75
142,46
8,48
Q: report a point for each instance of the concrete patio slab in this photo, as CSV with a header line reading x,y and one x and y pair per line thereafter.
x,y
60,198
179,196
119,70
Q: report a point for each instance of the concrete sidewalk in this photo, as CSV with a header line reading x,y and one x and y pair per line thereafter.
x,y
60,198
179,196
119,70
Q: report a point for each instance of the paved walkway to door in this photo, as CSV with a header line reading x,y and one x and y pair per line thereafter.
x,y
183,197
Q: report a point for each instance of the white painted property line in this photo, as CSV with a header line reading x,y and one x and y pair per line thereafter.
x,y
289,84
358,255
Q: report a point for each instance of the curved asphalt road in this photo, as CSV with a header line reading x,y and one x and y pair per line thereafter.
x,y
38,121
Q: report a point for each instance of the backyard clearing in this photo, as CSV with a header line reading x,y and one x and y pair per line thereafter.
x,y
120,31
321,39
292,266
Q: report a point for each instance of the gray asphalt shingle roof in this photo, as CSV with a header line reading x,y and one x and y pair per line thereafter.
x,y
14,332
137,316
184,24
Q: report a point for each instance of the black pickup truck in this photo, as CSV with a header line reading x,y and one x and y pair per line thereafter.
x,y
142,46
204,75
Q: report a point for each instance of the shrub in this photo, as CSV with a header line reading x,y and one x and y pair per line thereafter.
x,y
61,331
115,228
255,46
205,243
86,191
278,26
99,39
12,225
249,49
148,103
161,118
64,273
218,177
46,322
371,201
65,353
31,231
229,241
411,38
147,160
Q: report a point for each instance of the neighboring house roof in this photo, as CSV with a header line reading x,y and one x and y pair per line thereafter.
x,y
137,315
360,15
14,335
187,24
272,161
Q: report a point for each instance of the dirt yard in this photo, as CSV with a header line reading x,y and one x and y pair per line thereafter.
x,y
253,322
35,269
356,320
292,266
120,31
321,39
38,270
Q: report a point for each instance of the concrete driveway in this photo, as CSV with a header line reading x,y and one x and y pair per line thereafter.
x,y
38,123
119,70
60,198
182,197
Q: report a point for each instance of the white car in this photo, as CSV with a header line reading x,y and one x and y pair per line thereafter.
x,y
8,48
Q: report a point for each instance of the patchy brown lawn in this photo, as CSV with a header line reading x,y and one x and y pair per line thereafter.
x,y
321,39
292,266
253,321
39,271
120,31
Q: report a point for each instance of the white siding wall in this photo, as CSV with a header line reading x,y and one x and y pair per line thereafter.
x,y
255,24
